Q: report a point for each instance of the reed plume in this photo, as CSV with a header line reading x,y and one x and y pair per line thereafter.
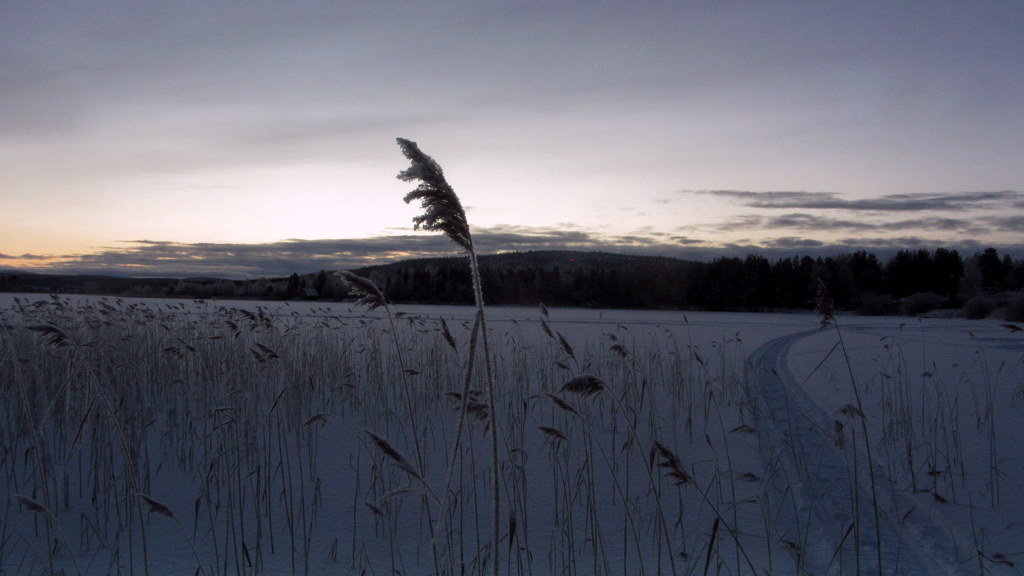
x,y
52,335
583,385
368,293
396,457
670,462
156,507
442,210
824,306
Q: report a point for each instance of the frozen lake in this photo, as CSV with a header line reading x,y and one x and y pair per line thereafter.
x,y
245,437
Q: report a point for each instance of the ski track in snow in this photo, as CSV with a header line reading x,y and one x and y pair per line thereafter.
x,y
812,493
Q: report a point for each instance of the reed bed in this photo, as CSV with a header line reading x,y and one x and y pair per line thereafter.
x,y
194,437
256,441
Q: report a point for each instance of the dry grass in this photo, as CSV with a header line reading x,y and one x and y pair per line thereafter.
x,y
240,426
242,434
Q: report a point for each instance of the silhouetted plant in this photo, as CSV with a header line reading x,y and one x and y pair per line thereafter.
x,y
443,212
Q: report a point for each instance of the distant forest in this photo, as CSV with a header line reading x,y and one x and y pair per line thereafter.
x,y
911,282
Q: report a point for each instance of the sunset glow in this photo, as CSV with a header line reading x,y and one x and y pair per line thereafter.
x,y
678,129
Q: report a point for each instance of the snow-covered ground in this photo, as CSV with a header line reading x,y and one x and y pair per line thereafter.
x,y
242,437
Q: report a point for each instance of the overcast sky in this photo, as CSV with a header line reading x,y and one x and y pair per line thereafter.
x,y
258,137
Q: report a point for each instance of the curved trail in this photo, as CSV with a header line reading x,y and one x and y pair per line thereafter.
x,y
812,491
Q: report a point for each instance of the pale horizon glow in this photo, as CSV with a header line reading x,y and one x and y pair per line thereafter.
x,y
657,128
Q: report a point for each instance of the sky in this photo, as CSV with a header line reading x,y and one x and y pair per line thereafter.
x,y
258,138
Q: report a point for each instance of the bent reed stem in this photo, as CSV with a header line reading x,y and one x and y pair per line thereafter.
x,y
443,212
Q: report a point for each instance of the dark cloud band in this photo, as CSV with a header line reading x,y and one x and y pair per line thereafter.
x,y
176,259
791,200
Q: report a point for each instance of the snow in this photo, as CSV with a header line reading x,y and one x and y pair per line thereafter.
x,y
248,427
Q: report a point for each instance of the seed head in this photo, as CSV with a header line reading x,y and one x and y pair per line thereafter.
x,y
368,293
442,210
583,385
824,306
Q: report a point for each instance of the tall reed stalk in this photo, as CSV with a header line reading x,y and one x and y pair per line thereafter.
x,y
443,212
826,311
372,298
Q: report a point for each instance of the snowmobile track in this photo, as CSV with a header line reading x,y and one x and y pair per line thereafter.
x,y
811,485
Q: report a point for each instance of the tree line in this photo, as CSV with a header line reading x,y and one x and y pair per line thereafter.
x,y
911,281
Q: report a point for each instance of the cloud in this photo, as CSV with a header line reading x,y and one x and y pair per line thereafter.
x,y
1008,223
179,259
816,223
267,259
687,241
157,258
793,243
954,217
22,257
889,203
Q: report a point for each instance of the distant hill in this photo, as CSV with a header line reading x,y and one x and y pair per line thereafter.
x,y
18,281
555,277
539,259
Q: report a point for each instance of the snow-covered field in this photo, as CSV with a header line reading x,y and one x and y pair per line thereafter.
x,y
218,437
